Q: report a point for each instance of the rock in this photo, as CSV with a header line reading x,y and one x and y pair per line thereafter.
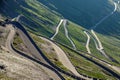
x,y
2,67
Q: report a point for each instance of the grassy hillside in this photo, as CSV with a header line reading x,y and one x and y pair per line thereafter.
x,y
110,44
86,67
36,16
83,12
111,25
112,47
87,13
80,63
41,20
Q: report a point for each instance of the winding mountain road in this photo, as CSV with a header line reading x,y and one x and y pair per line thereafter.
x,y
60,53
8,46
88,42
38,55
98,43
115,4
66,34
64,59
64,21
10,38
57,29
115,9
99,46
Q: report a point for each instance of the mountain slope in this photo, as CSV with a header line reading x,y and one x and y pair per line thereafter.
x,y
84,12
41,20
37,16
87,13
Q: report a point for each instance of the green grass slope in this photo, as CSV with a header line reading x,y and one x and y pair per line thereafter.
x,y
37,16
112,47
41,20
87,13
83,12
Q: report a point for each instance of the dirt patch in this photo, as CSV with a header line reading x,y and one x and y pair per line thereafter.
x,y
18,44
62,57
3,34
20,68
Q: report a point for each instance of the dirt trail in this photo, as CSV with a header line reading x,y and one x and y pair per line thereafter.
x,y
8,46
64,59
10,37
57,29
66,34
99,45
88,42
107,16
20,68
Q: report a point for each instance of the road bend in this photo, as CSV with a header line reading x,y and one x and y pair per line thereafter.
x,y
9,40
99,46
88,42
64,59
57,29
115,9
66,34
37,54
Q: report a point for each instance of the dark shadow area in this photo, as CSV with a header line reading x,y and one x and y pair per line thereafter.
x,y
110,26
83,12
32,25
